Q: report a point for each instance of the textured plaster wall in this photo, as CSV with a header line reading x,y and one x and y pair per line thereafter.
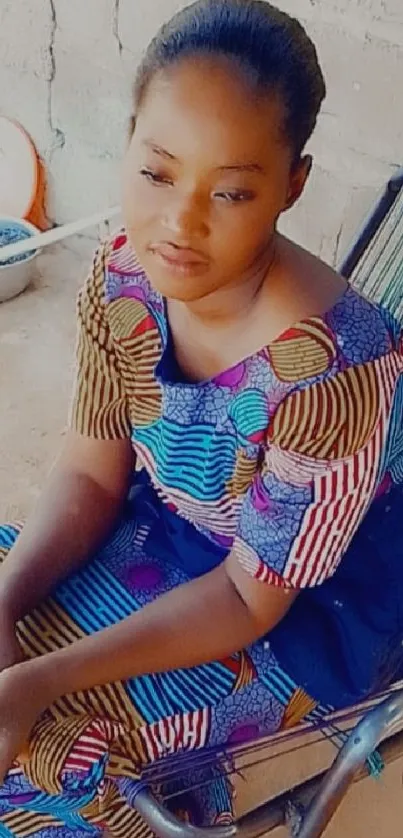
x,y
66,68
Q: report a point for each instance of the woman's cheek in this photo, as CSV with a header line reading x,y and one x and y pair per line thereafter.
x,y
247,223
138,205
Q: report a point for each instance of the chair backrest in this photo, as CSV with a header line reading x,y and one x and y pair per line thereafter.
x,y
374,265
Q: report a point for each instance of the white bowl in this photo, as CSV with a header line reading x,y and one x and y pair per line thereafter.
x,y
15,277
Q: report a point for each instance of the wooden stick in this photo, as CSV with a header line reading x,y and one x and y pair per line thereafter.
x,y
55,235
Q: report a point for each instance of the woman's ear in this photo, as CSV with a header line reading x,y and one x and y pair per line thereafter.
x,y
298,178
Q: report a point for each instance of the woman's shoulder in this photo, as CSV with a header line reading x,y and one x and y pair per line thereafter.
x,y
124,277
119,293
117,299
360,329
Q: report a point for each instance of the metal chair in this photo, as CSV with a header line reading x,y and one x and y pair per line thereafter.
x,y
374,265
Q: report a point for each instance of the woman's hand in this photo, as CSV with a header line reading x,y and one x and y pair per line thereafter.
x,y
10,650
21,703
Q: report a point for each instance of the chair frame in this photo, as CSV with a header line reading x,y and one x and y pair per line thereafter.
x,y
372,224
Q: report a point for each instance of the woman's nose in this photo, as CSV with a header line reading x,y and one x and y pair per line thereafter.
x,y
185,217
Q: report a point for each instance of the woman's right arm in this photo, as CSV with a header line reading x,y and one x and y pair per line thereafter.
x,y
89,482
76,512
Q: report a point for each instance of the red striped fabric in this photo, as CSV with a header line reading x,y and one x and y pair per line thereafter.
x,y
341,497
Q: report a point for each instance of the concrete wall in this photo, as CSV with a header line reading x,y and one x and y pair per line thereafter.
x,y
67,65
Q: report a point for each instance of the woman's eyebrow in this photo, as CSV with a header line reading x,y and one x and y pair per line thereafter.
x,y
243,167
162,152
236,167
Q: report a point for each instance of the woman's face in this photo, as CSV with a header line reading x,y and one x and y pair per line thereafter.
x,y
207,174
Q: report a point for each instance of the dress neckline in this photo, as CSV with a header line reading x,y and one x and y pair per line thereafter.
x,y
169,372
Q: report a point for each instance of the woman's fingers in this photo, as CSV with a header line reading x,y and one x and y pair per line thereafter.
x,y
8,751
20,707
24,754
10,649
14,745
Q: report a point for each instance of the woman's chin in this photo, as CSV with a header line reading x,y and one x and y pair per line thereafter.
x,y
187,285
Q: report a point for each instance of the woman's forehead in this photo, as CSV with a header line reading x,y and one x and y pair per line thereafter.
x,y
200,108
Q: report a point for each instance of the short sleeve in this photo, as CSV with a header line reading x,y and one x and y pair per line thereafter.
x,y
320,472
99,405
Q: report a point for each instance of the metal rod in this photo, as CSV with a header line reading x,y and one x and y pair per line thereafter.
x,y
167,825
264,818
371,226
303,794
377,725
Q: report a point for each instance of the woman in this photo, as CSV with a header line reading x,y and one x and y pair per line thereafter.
x,y
235,443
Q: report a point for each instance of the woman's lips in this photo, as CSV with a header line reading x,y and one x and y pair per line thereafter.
x,y
180,259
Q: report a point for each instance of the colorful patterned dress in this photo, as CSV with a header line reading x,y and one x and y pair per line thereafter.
x,y
294,459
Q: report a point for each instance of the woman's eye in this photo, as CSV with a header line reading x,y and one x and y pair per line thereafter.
x,y
235,196
154,177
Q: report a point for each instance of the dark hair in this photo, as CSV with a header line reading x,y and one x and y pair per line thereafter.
x,y
271,48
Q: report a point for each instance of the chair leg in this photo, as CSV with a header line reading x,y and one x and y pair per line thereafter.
x,y
166,825
381,722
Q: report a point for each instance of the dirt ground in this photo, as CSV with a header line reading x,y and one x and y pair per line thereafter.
x,y
37,335
36,364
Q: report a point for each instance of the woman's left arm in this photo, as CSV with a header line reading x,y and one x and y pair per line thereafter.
x,y
204,620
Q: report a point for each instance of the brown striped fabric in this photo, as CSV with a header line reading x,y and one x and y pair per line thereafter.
x,y
333,419
100,406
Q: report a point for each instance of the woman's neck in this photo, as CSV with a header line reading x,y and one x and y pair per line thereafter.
x,y
236,300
